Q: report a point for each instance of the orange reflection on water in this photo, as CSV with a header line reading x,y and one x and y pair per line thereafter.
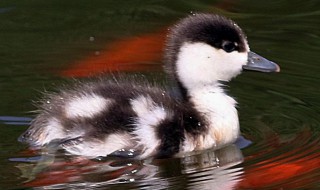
x,y
132,54
292,169
280,173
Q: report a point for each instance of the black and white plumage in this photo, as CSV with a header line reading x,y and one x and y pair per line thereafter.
x,y
101,117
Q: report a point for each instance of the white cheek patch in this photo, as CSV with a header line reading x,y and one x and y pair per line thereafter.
x,y
195,63
229,64
200,63
149,115
87,106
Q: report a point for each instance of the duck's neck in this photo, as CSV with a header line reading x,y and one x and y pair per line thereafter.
x,y
218,109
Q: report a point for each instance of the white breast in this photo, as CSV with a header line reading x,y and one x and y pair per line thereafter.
x,y
220,112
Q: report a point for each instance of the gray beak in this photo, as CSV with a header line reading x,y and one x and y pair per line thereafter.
x,y
259,63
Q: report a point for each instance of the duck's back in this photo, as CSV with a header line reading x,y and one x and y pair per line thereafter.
x,y
103,116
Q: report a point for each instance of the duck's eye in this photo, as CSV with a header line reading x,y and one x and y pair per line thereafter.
x,y
228,46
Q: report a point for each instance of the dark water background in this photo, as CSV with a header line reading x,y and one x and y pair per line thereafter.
x,y
44,43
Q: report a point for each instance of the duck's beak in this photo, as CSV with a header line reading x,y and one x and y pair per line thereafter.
x,y
259,63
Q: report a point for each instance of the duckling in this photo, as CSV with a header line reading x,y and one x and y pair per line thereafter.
x,y
99,118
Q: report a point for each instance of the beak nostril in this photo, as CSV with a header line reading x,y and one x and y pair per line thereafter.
x,y
257,63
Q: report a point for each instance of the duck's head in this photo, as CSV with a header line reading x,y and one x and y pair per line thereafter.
x,y
203,49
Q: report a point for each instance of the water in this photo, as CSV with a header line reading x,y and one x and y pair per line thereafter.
x,y
45,43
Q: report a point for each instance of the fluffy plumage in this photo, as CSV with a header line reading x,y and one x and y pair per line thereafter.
x,y
100,117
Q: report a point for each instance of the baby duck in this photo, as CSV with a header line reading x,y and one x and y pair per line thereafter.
x,y
102,117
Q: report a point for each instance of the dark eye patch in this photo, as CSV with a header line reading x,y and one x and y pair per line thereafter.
x,y
228,46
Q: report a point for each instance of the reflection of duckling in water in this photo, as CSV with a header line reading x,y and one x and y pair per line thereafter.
x,y
102,117
205,170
